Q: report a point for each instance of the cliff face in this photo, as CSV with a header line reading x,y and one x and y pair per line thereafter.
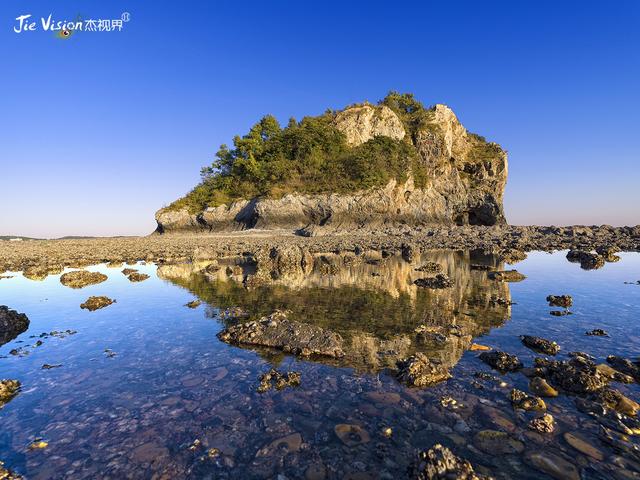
x,y
462,182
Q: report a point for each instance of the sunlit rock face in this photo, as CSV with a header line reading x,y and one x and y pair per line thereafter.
x,y
372,302
465,181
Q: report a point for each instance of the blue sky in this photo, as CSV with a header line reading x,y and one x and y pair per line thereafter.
x,y
102,129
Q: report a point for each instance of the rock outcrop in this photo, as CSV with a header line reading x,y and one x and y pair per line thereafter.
x,y
462,182
12,324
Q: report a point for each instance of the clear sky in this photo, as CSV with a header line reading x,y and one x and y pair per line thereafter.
x,y
102,129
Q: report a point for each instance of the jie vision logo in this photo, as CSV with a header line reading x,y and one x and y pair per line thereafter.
x,y
65,28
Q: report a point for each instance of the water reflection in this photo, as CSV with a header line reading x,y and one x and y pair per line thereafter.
x,y
370,300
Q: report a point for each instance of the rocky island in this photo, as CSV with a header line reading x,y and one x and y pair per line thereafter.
x,y
363,167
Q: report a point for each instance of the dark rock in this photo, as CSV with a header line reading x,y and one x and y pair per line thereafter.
x,y
277,331
513,256
96,303
540,344
577,375
82,278
501,361
12,324
608,253
564,301
560,313
439,281
482,268
409,252
597,332
523,401
419,371
439,463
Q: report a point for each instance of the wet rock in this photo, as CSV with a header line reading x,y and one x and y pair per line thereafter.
x,y
553,465
277,331
543,424
482,268
597,332
540,387
476,347
587,260
501,361
40,272
274,379
82,278
439,463
429,267
351,435
540,344
129,271
495,442
615,400
522,400
441,280
137,277
626,366
193,304
419,371
577,375
564,301
613,374
96,303
583,445
7,474
507,276
560,313
8,390
12,324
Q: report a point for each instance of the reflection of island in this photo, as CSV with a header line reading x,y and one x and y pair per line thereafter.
x,y
371,301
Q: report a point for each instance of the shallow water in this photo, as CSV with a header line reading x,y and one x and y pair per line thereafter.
x,y
136,412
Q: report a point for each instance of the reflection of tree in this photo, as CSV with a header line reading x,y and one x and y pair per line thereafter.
x,y
375,306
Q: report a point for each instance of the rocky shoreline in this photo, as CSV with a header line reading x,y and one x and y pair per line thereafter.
x,y
42,257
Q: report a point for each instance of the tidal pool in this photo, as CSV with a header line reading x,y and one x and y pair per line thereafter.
x,y
144,389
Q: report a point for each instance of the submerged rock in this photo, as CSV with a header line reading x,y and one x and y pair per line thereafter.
x,y
351,435
439,281
12,324
560,313
540,344
419,371
553,465
507,276
274,379
82,278
501,361
8,390
277,331
564,301
495,442
440,463
128,271
96,303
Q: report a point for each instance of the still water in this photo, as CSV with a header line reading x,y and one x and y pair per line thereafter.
x,y
146,390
